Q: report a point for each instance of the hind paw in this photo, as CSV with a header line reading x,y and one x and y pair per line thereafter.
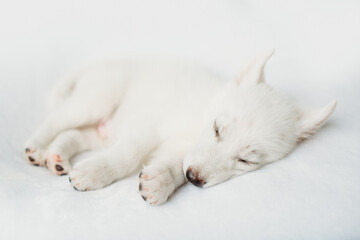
x,y
35,156
58,164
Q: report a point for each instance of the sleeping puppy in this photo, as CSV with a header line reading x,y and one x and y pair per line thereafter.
x,y
180,121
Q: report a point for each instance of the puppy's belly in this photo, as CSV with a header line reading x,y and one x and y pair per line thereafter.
x,y
103,128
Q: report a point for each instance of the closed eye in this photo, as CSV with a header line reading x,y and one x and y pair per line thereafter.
x,y
245,161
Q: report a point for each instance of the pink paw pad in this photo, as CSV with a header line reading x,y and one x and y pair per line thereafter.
x,y
56,158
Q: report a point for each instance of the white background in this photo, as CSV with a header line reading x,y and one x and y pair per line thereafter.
x,y
314,193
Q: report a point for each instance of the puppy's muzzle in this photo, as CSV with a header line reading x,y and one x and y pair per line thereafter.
x,y
192,176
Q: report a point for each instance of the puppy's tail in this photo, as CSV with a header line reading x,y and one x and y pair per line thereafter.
x,y
254,71
62,90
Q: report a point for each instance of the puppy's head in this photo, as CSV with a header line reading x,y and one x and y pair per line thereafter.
x,y
249,125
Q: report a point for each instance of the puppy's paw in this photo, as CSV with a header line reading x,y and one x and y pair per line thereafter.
x,y
58,164
156,185
35,156
89,175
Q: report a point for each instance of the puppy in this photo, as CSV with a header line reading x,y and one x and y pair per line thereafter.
x,y
184,122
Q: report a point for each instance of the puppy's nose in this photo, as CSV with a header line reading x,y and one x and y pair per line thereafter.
x,y
192,176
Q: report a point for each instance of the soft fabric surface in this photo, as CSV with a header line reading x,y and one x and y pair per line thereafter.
x,y
314,193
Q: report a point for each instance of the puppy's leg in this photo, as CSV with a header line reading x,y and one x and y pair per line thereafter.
x,y
81,100
74,113
68,144
114,163
163,175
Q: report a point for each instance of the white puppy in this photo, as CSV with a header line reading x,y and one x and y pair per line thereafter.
x,y
184,120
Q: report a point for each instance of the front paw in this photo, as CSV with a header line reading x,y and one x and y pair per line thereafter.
x,y
89,175
156,185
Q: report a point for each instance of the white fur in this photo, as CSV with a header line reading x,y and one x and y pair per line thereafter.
x,y
165,112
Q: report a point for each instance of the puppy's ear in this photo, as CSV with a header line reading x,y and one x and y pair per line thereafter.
x,y
254,71
310,121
